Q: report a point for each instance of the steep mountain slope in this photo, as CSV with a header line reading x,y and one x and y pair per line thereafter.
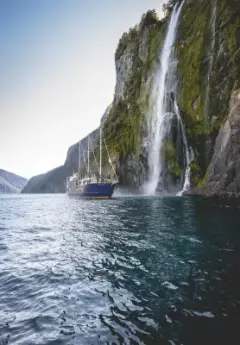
x,y
11,183
208,70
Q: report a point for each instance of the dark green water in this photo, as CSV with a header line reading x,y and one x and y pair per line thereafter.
x,y
124,271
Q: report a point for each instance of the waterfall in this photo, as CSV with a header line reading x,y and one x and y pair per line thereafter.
x,y
211,56
188,154
164,110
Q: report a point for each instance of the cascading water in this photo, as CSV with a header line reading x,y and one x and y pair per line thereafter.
x,y
188,153
164,109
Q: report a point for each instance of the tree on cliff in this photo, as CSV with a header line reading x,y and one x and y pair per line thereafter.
x,y
167,7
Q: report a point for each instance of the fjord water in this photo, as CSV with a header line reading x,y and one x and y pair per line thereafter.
x,y
160,270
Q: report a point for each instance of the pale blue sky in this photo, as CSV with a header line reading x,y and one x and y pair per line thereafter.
x,y
57,74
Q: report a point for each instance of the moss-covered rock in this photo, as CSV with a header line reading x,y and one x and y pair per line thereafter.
x,y
136,61
193,51
171,159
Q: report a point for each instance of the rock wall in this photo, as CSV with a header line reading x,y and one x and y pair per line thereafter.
x,y
209,72
208,52
224,170
126,127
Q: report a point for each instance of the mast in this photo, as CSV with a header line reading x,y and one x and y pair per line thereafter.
x,y
88,157
100,163
79,157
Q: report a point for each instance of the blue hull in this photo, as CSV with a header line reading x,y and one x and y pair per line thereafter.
x,y
95,191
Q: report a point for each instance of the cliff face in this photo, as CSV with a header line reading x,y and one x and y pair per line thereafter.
x,y
126,126
51,182
208,53
224,169
11,183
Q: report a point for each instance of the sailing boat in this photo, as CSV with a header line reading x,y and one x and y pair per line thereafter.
x,y
91,186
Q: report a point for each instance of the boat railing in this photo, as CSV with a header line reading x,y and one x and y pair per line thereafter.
x,y
94,178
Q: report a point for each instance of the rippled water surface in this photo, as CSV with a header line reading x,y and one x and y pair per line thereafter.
x,y
121,271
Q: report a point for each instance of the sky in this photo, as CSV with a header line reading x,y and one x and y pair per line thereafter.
x,y
57,74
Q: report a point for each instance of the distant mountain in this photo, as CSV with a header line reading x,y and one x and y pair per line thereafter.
x,y
50,182
11,183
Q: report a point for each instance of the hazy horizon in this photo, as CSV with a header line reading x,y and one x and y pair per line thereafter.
x,y
57,74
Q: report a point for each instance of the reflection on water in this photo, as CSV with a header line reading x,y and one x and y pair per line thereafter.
x,y
138,270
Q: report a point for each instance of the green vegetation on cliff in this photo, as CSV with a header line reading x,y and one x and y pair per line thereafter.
x,y
171,159
136,57
193,51
204,87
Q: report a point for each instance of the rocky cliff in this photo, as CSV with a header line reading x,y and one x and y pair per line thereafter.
x,y
11,183
224,169
209,70
136,61
208,54
223,173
